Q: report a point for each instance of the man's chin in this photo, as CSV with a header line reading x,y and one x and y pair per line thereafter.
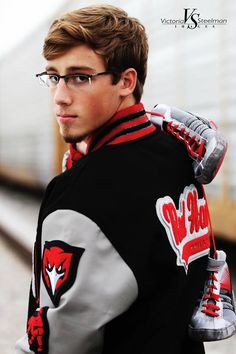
x,y
73,139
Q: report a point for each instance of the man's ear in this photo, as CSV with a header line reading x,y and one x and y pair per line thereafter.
x,y
128,82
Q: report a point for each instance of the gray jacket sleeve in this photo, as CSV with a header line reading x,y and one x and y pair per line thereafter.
x,y
84,284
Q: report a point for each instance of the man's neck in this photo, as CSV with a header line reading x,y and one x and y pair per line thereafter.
x,y
125,103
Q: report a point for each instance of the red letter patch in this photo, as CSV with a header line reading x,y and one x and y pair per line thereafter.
x,y
60,264
38,331
186,227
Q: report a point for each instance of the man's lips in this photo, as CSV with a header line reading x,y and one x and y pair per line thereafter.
x,y
66,118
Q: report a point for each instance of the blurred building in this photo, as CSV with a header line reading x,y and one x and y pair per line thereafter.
x,y
190,66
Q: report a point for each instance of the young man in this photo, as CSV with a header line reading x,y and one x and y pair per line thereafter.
x,y
122,238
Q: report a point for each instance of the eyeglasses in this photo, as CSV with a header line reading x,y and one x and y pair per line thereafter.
x,y
73,81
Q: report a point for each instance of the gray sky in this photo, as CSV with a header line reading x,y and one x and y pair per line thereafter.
x,y
20,17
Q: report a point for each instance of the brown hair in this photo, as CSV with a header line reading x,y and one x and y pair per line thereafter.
x,y
121,40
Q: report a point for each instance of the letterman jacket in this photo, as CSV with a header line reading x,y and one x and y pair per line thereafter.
x,y
121,247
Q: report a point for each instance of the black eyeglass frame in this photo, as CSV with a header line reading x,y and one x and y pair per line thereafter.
x,y
68,76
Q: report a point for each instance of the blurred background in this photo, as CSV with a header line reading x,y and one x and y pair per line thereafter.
x,y
193,68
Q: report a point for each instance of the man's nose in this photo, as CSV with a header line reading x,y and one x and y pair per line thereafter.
x,y
62,94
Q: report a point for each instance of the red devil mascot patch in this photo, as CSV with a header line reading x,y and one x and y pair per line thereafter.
x,y
59,269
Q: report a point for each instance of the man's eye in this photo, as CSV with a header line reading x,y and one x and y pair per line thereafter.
x,y
53,79
80,78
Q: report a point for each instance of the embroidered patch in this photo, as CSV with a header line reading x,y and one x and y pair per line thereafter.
x,y
60,265
186,227
38,331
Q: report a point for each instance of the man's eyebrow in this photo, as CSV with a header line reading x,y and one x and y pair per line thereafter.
x,y
71,69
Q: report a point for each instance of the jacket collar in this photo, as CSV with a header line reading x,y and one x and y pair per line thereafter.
x,y
128,124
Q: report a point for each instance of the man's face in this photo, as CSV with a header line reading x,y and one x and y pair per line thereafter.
x,y
81,111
